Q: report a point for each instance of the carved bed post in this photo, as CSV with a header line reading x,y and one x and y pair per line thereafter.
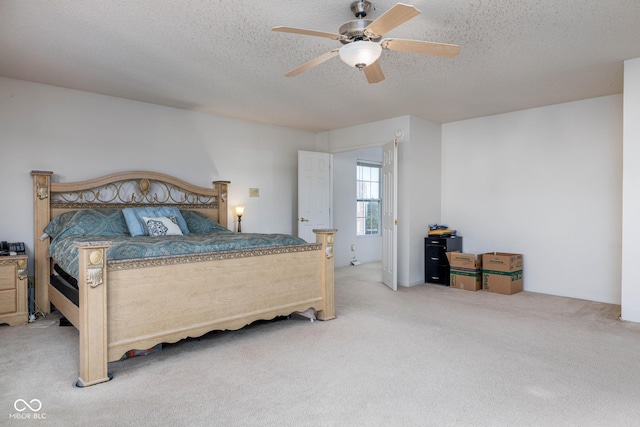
x,y
92,284
328,311
223,208
41,217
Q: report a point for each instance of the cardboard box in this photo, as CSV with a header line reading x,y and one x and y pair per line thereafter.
x,y
502,272
465,271
464,261
469,280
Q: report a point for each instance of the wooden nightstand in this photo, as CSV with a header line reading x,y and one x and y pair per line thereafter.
x,y
13,290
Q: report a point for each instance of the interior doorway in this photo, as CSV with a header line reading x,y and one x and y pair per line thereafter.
x,y
348,246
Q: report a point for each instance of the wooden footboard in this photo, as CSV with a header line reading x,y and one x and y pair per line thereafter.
x,y
125,306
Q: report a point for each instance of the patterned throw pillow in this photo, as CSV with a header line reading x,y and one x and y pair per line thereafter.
x,y
136,225
162,226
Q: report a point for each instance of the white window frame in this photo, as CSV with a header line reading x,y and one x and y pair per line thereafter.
x,y
368,192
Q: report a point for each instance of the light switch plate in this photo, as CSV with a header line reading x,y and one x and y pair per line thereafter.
x,y
254,192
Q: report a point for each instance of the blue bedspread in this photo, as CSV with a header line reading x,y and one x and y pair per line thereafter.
x,y
206,236
65,252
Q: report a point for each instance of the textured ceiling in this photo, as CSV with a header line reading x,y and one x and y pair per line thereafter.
x,y
221,57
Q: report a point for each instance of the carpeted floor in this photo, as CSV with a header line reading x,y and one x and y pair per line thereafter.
x,y
422,356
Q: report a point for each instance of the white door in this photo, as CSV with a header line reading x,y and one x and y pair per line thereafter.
x,y
389,219
314,193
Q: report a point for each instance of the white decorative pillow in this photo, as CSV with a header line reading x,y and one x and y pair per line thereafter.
x,y
162,226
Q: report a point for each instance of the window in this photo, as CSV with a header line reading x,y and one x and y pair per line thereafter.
x,y
368,203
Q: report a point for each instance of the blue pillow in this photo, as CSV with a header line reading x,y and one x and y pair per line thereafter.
x,y
88,222
133,217
58,224
200,223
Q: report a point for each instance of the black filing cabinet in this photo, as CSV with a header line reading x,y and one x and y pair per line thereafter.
x,y
436,264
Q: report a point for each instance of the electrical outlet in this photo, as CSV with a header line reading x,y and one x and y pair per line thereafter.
x,y
353,247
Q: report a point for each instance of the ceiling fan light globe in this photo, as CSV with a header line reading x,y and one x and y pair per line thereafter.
x,y
360,53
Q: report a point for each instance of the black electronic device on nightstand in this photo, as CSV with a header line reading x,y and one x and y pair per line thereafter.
x,y
7,249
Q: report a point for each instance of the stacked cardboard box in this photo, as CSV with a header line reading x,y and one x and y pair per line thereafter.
x,y
465,271
502,272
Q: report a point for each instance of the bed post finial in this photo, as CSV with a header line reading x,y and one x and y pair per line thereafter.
x,y
41,217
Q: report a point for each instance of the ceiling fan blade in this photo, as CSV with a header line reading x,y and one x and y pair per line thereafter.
x,y
397,15
315,61
418,46
374,72
331,36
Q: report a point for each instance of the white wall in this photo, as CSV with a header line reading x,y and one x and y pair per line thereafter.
x,y
420,189
80,135
546,183
631,195
369,135
368,248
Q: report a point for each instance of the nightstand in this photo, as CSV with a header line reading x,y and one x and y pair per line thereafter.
x,y
13,290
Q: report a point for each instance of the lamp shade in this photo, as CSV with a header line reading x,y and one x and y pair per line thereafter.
x,y
239,210
361,53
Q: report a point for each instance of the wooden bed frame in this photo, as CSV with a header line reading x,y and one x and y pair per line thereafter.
x,y
136,304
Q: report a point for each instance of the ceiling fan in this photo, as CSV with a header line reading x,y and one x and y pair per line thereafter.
x,y
363,43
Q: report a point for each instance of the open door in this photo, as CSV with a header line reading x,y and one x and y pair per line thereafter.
x,y
389,214
314,193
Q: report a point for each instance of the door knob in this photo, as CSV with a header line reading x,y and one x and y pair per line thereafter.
x,y
302,219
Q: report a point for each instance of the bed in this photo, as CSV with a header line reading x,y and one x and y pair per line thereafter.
x,y
134,299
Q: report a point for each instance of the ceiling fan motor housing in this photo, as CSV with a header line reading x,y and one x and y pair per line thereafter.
x,y
354,31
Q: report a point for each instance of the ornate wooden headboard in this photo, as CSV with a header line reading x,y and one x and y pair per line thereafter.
x,y
115,191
